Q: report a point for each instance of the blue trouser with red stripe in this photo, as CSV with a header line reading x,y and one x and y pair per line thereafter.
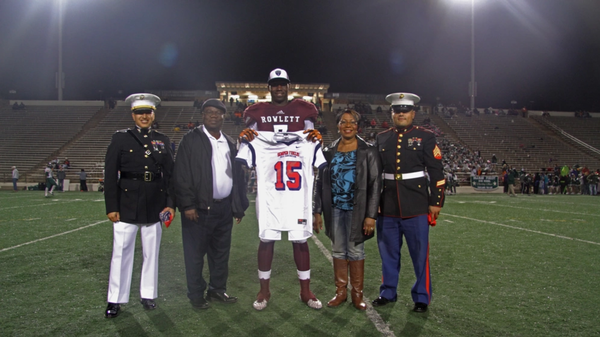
x,y
389,239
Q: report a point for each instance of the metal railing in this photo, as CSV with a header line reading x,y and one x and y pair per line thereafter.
x,y
568,135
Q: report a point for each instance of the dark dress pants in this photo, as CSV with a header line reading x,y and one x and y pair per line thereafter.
x,y
209,236
389,240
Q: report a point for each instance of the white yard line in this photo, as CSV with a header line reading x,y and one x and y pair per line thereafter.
x,y
53,236
29,205
372,314
522,229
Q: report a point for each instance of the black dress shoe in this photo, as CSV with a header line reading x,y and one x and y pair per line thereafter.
x,y
381,301
200,303
112,310
420,307
148,304
220,297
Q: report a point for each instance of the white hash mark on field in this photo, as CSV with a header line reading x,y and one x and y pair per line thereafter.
x,y
448,221
372,314
71,219
523,229
53,236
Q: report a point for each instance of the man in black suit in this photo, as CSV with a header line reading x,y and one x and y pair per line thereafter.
x,y
210,190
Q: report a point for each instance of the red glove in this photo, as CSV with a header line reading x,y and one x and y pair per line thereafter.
x,y
430,220
314,135
248,134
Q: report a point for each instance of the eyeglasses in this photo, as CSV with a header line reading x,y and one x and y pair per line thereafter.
x,y
348,123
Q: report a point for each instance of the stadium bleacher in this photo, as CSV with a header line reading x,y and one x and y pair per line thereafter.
x,y
519,141
34,136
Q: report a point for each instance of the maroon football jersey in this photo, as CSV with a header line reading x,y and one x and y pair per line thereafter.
x,y
288,118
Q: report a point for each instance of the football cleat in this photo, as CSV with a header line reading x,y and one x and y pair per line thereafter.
x,y
259,305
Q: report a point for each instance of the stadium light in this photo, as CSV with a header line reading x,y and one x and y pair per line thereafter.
x,y
472,84
60,77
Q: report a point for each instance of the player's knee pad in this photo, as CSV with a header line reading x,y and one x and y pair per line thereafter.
x,y
299,241
266,241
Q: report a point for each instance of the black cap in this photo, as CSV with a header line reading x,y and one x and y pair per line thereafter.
x,y
214,102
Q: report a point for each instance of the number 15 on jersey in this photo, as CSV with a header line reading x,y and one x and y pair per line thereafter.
x,y
294,178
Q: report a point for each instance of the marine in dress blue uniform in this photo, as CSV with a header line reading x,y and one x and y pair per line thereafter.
x,y
138,167
409,154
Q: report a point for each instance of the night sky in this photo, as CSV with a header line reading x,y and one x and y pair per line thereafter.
x,y
542,53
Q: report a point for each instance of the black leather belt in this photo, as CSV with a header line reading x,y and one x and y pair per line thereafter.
x,y
216,201
143,176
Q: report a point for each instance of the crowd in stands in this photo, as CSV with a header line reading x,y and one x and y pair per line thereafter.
x,y
554,180
458,158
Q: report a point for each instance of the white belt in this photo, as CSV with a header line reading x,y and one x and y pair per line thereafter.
x,y
404,176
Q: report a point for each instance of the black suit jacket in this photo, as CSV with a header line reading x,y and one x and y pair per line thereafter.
x,y
193,176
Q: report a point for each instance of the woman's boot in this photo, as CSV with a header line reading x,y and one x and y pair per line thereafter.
x,y
340,271
357,274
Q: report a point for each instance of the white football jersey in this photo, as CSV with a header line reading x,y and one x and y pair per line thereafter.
x,y
48,172
285,175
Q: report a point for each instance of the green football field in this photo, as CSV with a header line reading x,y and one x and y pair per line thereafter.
x,y
525,266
